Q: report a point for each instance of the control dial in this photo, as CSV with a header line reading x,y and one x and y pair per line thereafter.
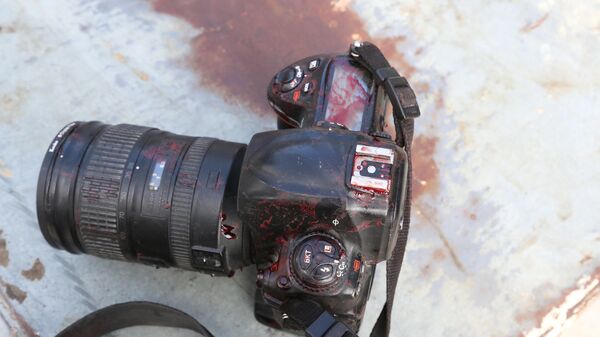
x,y
285,76
319,261
289,78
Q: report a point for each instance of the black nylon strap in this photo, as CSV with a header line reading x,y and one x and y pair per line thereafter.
x,y
308,315
394,264
405,105
124,315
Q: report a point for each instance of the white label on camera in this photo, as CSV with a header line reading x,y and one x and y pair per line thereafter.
x,y
157,175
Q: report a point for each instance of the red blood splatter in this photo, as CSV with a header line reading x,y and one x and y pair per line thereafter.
x,y
265,224
366,225
308,208
175,146
149,151
438,254
228,232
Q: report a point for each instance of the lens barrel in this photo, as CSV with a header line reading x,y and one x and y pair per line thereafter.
x,y
140,194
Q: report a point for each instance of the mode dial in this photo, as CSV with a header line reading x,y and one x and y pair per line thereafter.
x,y
319,261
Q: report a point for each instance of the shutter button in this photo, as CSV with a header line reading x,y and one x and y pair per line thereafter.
x,y
286,75
291,77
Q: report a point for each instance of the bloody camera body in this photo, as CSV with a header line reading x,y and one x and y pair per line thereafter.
x,y
323,201
315,205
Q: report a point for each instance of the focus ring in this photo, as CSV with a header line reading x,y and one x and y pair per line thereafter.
x,y
101,186
181,206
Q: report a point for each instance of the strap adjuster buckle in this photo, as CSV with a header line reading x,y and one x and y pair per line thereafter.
x,y
396,87
401,96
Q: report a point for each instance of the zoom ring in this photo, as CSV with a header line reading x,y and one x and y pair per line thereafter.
x,y
181,206
101,186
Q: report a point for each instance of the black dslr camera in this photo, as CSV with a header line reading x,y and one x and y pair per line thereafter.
x,y
315,205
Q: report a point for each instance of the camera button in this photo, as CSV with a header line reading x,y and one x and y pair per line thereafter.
x,y
314,64
306,256
323,271
328,249
306,87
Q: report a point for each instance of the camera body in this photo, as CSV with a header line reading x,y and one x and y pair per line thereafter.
x,y
324,200
315,205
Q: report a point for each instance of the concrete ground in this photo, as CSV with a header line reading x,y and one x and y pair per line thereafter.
x,y
505,239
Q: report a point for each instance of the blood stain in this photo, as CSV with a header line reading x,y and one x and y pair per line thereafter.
x,y
5,171
585,259
438,254
36,272
535,24
4,257
425,169
243,44
120,57
15,293
7,29
141,75
265,224
228,232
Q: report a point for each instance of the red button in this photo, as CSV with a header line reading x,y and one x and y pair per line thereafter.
x,y
356,266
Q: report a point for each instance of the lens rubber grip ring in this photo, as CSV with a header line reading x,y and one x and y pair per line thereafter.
x,y
100,189
181,206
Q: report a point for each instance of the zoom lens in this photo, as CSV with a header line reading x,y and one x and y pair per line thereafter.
x,y
140,194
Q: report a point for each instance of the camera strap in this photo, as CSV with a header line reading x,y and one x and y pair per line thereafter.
x,y
405,106
308,315
125,315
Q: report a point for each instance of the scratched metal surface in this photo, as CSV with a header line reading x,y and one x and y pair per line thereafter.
x,y
505,239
